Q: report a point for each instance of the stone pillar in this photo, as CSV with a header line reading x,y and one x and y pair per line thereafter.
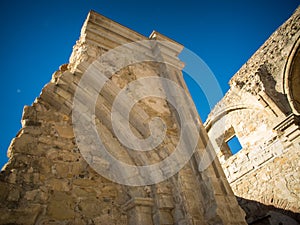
x,y
139,211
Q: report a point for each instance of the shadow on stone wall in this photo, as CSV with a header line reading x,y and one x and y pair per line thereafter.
x,y
269,84
261,214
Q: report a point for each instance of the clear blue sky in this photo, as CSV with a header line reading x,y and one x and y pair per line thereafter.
x,y
37,37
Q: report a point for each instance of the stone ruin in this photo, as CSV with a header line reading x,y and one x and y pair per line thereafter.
x,y
47,180
262,111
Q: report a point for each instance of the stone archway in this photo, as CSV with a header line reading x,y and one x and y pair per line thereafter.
x,y
292,78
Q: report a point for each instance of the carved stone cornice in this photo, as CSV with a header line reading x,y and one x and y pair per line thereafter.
x,y
289,127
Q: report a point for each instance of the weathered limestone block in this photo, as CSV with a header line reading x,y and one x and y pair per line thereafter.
x,y
24,216
61,206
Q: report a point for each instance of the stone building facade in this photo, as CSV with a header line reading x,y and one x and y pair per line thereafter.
x,y
48,181
262,110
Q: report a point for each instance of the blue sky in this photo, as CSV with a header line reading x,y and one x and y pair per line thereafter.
x,y
37,37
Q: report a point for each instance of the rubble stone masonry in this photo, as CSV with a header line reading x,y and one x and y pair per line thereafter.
x,y
261,109
47,181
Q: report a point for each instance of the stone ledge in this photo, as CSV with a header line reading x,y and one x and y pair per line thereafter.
x,y
290,127
148,202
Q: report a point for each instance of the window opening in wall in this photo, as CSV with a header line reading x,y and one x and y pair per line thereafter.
x,y
234,144
228,144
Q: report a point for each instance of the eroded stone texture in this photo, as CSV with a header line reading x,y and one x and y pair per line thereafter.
x,y
47,181
261,110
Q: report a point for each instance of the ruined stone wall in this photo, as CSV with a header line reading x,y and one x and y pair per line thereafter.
x,y
48,181
260,109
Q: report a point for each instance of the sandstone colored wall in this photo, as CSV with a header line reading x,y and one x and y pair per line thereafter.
x,y
261,110
47,181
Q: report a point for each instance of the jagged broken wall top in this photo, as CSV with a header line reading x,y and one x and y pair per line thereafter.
x,y
262,110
